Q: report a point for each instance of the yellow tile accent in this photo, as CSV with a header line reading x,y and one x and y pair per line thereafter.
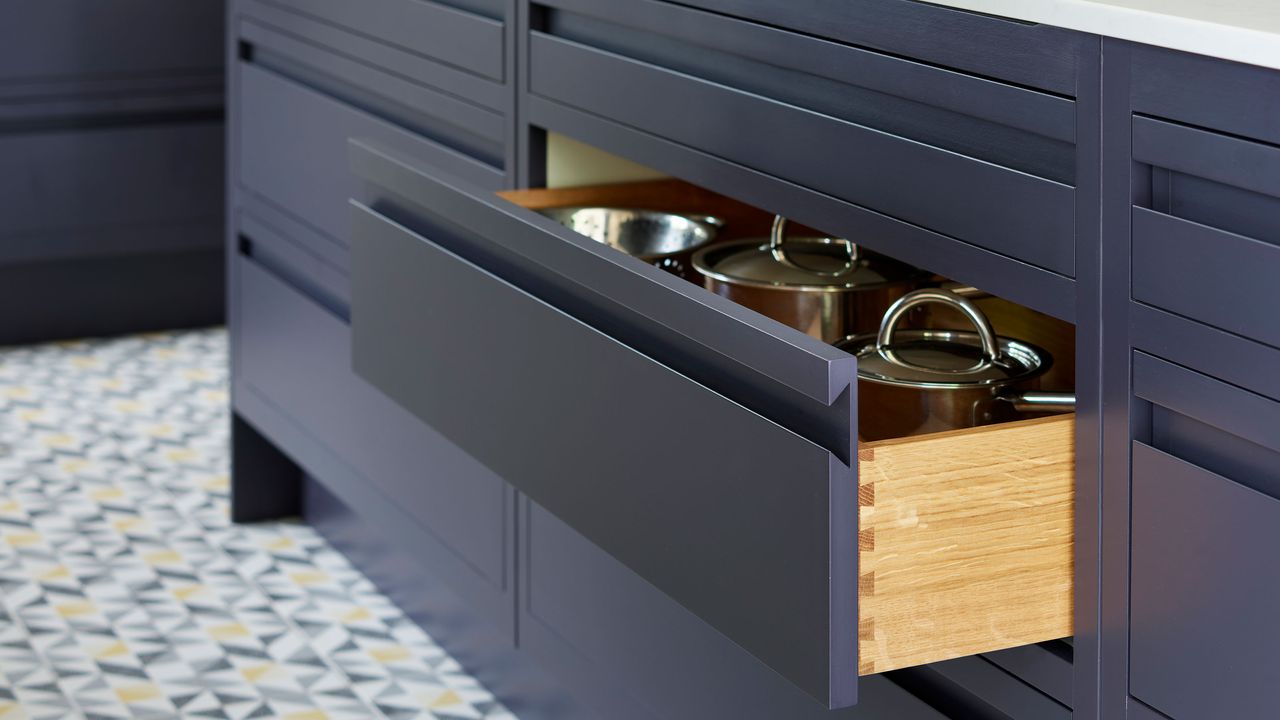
x,y
112,384
20,391
58,440
256,673
217,482
229,631
355,616
182,455
12,710
57,572
115,649
186,592
197,374
125,524
163,557
76,608
107,493
446,699
164,353
390,654
307,715
309,577
10,506
23,539
30,414
282,543
74,465
84,362
137,693
214,396
129,406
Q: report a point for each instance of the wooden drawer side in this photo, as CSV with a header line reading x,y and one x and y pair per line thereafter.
x,y
965,542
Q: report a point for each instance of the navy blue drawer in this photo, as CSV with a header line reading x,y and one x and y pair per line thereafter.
x,y
1206,231
292,156
1034,55
70,41
1234,98
462,38
1205,577
293,364
110,191
990,164
631,653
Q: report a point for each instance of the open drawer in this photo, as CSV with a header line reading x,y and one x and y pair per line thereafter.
x,y
707,448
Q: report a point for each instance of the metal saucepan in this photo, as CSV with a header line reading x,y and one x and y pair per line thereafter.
x,y
826,287
666,240
912,382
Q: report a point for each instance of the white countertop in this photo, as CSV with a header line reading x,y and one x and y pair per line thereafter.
x,y
1246,31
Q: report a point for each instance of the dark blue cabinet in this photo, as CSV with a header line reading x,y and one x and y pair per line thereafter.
x,y
111,154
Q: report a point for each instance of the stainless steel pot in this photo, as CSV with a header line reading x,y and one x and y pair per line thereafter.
x,y
912,382
665,240
826,287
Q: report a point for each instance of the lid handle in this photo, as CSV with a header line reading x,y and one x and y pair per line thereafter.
x,y
778,248
986,335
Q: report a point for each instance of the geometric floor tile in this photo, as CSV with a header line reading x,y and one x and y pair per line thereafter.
x,y
126,592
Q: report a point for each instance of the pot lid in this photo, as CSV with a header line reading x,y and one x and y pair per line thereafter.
x,y
942,358
801,263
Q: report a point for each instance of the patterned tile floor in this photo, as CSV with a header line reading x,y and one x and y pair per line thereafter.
x,y
125,592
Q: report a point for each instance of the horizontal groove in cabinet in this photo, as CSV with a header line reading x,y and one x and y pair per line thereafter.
x,y
1230,408
371,51
1010,212
1040,56
1048,115
965,542
463,39
1009,278
1206,274
712,550
297,263
1222,158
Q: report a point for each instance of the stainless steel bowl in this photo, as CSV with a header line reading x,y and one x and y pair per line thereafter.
x,y
667,240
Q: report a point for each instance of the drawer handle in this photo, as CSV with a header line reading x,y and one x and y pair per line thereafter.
x,y
778,248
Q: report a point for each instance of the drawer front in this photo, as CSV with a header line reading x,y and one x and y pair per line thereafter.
x,y
102,192
459,37
293,356
1237,99
293,154
1205,579
84,39
1206,233
1039,56
631,652
526,387
1205,516
990,164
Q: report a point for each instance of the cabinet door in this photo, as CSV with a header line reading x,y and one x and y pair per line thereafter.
x,y
1206,521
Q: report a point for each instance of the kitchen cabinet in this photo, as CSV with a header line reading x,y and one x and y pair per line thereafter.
x,y
658,498
111,166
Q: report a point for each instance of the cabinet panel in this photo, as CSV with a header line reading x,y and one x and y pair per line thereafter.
x,y
293,153
1012,212
294,356
1203,633
66,40
110,191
